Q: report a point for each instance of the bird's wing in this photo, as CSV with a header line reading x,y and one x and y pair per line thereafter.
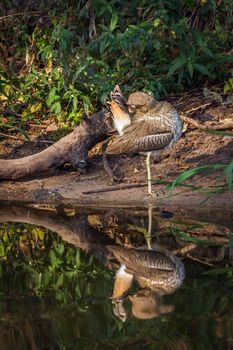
x,y
150,264
146,263
141,136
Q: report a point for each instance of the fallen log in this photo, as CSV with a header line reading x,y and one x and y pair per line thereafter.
x,y
72,149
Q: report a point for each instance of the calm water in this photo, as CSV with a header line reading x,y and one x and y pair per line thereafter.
x,y
58,288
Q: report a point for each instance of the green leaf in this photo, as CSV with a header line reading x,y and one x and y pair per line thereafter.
x,y
114,21
91,259
228,172
78,259
56,108
52,96
190,67
63,44
52,257
208,52
103,44
219,132
228,86
180,75
24,133
189,173
202,69
219,271
59,248
177,63
188,238
157,22
60,281
75,103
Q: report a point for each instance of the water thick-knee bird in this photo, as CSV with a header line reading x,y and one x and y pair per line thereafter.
x,y
144,125
156,269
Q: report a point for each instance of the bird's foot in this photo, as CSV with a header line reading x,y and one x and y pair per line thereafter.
x,y
158,193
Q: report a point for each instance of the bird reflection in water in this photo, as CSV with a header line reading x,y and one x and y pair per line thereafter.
x,y
157,271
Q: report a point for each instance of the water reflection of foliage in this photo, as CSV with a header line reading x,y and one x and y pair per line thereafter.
x,y
203,309
39,262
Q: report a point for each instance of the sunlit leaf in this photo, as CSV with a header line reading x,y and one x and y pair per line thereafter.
x,y
192,172
114,21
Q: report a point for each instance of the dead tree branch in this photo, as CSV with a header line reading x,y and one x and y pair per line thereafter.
x,y
72,148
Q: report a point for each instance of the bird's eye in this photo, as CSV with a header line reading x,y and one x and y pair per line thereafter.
x,y
132,109
144,109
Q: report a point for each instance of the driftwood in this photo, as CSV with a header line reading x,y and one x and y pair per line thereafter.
x,y
72,149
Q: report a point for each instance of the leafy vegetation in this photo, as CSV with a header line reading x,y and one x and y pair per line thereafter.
x,y
62,59
224,180
40,264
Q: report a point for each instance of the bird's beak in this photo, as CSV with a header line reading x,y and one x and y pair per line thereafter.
x,y
119,310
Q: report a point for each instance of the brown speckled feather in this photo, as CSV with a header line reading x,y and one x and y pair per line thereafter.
x,y
149,263
141,136
157,269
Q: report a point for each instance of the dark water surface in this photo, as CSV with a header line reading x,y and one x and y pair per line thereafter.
x,y
58,288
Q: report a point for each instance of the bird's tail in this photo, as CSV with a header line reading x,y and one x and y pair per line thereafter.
x,y
119,110
117,96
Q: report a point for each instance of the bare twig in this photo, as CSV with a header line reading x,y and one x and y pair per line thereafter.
x,y
199,260
25,12
198,107
116,188
11,137
25,140
184,250
207,126
222,126
34,13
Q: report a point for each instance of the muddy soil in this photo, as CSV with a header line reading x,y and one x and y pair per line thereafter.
x,y
195,148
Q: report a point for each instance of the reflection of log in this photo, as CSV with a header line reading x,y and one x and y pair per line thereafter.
x,y
72,148
75,230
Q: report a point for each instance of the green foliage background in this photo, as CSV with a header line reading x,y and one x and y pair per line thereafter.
x,y
61,59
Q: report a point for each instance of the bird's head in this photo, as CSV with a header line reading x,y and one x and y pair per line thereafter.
x,y
140,102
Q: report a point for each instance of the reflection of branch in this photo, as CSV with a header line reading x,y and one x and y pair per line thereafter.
x,y
199,260
75,230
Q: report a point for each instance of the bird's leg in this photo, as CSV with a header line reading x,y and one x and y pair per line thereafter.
x,y
155,155
148,173
107,168
149,230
